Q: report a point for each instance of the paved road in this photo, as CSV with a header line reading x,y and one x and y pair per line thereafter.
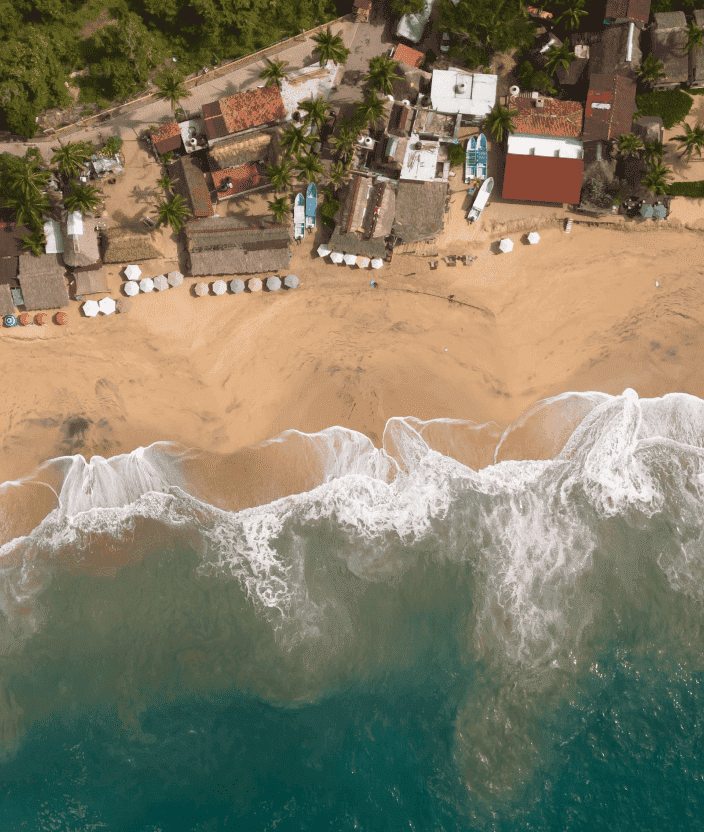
x,y
365,40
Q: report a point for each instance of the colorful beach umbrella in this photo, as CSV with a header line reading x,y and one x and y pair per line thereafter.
x,y
237,286
377,263
133,272
273,283
61,318
41,318
291,281
107,306
161,284
25,319
90,308
131,288
219,287
175,278
201,289
146,284
9,320
323,250
337,257
254,284
506,245
533,238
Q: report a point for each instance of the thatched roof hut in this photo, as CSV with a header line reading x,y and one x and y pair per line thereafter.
x,y
223,246
121,245
91,282
420,210
42,281
7,305
81,249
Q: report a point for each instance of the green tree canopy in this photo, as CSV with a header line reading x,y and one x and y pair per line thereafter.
x,y
330,47
70,158
173,212
83,198
401,7
170,86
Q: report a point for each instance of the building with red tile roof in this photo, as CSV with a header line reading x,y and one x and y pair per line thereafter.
x,y
232,181
611,103
408,56
550,179
166,138
545,116
637,11
243,111
189,181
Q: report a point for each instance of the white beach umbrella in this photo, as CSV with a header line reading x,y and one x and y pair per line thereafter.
x,y
350,259
161,283
506,245
273,283
91,308
533,238
133,272
291,281
363,262
323,250
107,306
337,257
131,288
377,263
174,278
146,284
201,289
254,284
237,286
219,287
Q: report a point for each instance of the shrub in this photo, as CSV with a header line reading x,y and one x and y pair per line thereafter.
x,y
671,105
691,189
455,153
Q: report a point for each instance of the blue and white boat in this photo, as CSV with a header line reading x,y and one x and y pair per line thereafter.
x,y
480,200
311,205
299,217
476,158
482,157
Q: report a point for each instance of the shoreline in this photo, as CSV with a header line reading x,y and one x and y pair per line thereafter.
x,y
577,312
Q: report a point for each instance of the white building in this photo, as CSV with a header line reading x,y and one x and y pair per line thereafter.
x,y
473,94
422,162
522,145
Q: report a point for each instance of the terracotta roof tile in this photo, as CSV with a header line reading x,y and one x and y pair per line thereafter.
x,y
611,103
167,137
553,118
406,55
243,178
636,10
251,108
542,179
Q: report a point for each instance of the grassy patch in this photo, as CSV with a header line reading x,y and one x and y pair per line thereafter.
x,y
671,105
691,189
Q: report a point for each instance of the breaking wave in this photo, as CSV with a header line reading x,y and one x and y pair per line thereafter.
x,y
580,523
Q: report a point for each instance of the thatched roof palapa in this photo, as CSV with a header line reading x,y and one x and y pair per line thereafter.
x,y
222,245
121,245
420,209
91,282
7,305
42,281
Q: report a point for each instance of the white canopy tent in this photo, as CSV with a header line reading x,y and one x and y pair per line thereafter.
x,y
337,257
506,245
350,259
107,306
363,262
291,281
323,250
175,278
273,283
91,308
131,288
133,272
237,286
377,263
161,284
201,289
146,284
533,238
219,287
254,284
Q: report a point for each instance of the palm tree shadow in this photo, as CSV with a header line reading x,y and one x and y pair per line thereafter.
x,y
145,195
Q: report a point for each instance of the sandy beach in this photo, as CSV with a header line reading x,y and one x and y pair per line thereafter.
x,y
599,309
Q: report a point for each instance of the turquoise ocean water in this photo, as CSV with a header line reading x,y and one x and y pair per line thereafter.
x,y
437,636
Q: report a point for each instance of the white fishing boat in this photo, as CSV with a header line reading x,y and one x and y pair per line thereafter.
x,y
481,200
299,217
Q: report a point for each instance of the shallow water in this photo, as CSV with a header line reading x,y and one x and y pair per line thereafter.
x,y
460,630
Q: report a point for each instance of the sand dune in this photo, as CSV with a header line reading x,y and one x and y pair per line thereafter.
x,y
576,312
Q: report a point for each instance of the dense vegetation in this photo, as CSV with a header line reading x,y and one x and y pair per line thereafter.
x,y
691,189
671,105
116,46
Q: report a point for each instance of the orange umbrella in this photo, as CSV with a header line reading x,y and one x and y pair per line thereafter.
x,y
61,318
40,318
25,319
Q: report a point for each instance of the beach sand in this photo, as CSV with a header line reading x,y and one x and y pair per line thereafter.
x,y
577,312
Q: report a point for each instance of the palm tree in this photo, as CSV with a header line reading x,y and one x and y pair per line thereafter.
x,y
170,87
280,175
499,122
113,145
294,139
70,158
691,141
657,178
273,72
651,70
309,168
695,36
165,182
173,212
653,151
371,109
34,242
83,198
382,71
344,140
572,14
558,57
339,173
316,112
330,47
280,209
629,145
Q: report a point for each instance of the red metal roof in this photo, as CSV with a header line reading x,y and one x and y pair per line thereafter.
x,y
636,10
243,178
406,55
545,116
167,137
542,178
615,100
